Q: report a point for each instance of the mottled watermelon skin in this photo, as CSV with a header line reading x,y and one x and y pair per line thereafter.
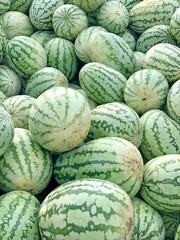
x,y
87,209
177,234
160,186
139,60
115,120
19,216
128,37
25,165
3,40
161,134
4,6
20,5
86,5
103,158
175,24
43,36
148,222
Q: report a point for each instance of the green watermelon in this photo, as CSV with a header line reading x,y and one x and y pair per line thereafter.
x,y
60,119
103,158
18,107
4,6
161,134
16,24
145,90
148,222
25,56
101,83
2,98
6,130
43,36
87,209
139,60
160,186
86,5
129,4
61,55
173,102
19,216
2,43
25,165
10,83
128,37
20,5
68,21
44,79
115,120
177,234
175,24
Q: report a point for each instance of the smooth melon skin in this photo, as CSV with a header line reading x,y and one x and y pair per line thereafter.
x,y
60,119
88,209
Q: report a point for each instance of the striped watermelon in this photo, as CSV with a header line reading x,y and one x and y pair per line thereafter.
x,y
81,42
2,43
19,216
175,24
10,83
18,107
6,130
60,119
41,13
160,186
145,90
171,222
43,36
149,13
25,165
44,79
61,55
165,58
115,120
25,56
148,222
154,35
86,5
177,234
128,3
4,6
113,16
103,158
139,60
128,37
111,50
161,134
68,21
173,102
101,83
87,209
2,98
20,5
16,24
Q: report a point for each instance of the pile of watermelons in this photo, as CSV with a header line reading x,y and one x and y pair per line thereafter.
x,y
90,120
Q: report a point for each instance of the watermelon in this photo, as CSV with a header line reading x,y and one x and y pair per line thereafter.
x,y
103,158
43,36
173,102
171,222
111,50
44,79
101,83
18,107
148,222
154,35
113,16
25,56
165,58
41,13
139,60
16,24
145,90
128,37
87,209
60,119
6,130
129,4
19,216
149,13
61,55
20,5
81,42
177,234
115,120
161,134
2,43
160,186
25,165
175,24
2,98
4,6
86,5
68,21
10,83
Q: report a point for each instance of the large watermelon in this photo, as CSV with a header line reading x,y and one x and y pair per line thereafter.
x,y
20,5
2,43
